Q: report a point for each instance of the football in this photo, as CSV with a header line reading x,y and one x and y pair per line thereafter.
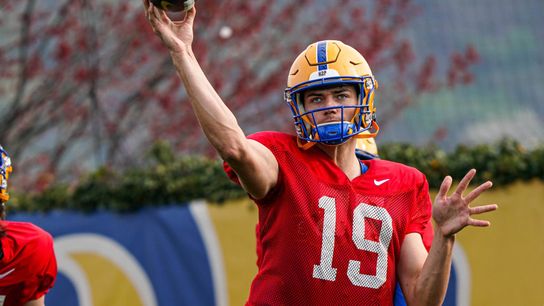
x,y
174,5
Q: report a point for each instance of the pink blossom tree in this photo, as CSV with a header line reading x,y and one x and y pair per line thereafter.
x,y
86,84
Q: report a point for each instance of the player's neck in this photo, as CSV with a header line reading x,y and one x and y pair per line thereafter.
x,y
344,157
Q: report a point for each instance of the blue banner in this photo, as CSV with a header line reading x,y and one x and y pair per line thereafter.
x,y
157,256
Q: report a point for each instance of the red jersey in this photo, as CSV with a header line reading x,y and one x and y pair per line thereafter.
x,y
28,267
325,240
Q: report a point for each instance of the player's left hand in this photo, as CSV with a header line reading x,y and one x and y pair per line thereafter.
x,y
453,213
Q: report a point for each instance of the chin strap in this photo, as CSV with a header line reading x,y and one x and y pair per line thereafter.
x,y
375,130
305,145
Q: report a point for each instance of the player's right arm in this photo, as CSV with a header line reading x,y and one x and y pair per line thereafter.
x,y
254,164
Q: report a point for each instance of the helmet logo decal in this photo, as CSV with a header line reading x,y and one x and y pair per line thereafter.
x,y
327,73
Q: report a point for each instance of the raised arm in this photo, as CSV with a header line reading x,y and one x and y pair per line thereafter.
x,y
424,278
255,165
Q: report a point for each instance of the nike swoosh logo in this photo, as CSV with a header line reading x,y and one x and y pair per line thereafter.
x,y
7,273
378,183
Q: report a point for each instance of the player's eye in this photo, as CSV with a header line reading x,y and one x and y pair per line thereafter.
x,y
316,99
342,96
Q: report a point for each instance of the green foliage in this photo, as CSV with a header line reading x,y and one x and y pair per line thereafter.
x,y
502,163
170,179
166,180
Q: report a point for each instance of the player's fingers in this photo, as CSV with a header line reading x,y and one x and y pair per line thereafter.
x,y
156,12
483,209
465,181
478,190
149,12
164,17
444,187
479,223
191,13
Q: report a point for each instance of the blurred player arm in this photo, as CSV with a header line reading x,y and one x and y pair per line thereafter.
x,y
254,164
424,277
37,302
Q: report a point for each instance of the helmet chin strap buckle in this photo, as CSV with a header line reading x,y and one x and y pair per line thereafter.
x,y
333,133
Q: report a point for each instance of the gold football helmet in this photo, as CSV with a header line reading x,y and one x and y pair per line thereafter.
x,y
325,64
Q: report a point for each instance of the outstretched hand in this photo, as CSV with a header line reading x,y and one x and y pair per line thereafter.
x,y
453,213
177,36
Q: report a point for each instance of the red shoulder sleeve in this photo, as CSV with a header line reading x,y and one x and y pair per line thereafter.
x,y
277,143
44,265
421,217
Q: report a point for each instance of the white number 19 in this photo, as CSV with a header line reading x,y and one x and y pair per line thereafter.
x,y
325,270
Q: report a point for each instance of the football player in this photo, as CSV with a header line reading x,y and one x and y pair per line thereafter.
x,y
333,229
28,267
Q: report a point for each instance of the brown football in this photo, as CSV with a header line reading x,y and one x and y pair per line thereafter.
x,y
174,5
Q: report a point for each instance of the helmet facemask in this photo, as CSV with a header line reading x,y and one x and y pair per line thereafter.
x,y
333,133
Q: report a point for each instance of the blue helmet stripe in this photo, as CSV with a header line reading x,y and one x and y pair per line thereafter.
x,y
322,55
